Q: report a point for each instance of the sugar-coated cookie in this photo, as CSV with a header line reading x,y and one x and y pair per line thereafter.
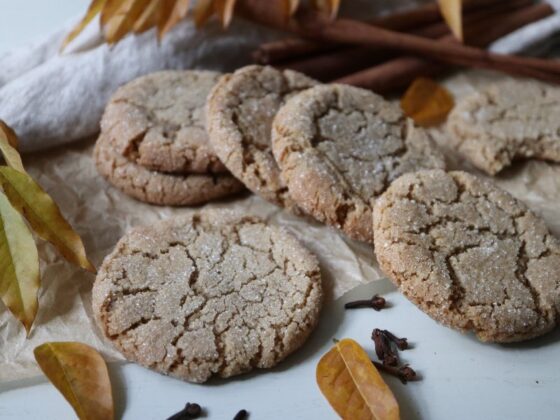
x,y
469,255
507,121
208,294
239,119
339,147
158,121
160,188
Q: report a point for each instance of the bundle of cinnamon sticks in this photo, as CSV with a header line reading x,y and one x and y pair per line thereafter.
x,y
387,53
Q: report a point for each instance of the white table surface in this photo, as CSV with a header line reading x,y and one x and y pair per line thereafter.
x,y
462,378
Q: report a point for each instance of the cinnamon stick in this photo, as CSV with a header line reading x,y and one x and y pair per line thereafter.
x,y
336,64
402,71
320,28
407,20
289,48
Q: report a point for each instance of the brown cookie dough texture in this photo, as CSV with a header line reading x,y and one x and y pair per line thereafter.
x,y
158,121
507,121
469,255
239,118
340,147
159,188
210,294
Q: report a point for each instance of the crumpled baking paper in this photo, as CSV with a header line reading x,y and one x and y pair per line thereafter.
x,y
101,215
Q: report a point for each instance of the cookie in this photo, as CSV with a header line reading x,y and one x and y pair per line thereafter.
x,y
158,121
159,188
469,255
239,118
209,294
339,147
505,122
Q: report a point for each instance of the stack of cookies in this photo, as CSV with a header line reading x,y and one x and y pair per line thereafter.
x,y
185,138
153,144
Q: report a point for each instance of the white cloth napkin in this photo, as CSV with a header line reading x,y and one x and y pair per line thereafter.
x,y
52,99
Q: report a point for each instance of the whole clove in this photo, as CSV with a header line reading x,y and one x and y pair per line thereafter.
x,y
383,348
191,411
401,343
404,373
241,415
376,302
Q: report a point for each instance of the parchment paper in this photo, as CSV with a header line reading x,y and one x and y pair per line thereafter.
x,y
102,215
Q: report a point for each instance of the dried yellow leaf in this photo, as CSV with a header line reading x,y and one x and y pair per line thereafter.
x,y
291,6
110,9
164,10
203,10
9,134
329,7
122,23
19,271
427,102
94,9
353,386
452,11
121,17
8,144
148,19
179,13
80,374
43,215
224,10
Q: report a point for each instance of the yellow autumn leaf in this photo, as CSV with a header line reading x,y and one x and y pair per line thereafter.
x,y
148,19
8,144
179,12
119,18
94,9
353,386
110,9
43,215
224,10
80,374
9,134
329,7
123,21
452,12
203,10
19,271
427,102
291,6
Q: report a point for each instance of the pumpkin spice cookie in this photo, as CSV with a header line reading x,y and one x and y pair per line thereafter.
x,y
209,294
239,118
158,121
339,147
507,121
469,255
159,188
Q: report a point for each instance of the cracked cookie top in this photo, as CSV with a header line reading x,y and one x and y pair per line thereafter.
x,y
339,147
240,112
469,255
212,293
507,121
158,121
